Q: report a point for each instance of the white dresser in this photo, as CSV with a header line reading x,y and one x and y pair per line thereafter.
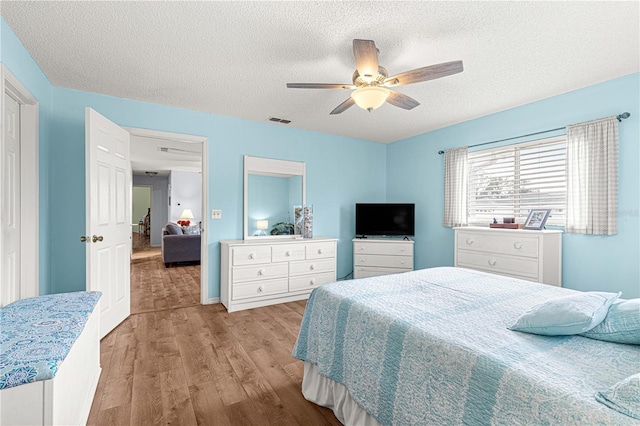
x,y
528,255
381,256
256,273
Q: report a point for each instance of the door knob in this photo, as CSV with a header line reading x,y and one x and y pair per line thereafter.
x,y
85,239
97,238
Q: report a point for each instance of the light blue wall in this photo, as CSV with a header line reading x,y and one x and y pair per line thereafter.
x,y
415,173
339,172
20,63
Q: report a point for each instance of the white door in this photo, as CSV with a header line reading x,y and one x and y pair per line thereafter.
x,y
10,245
108,201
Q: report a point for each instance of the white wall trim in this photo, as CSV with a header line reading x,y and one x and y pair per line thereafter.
x,y
29,180
204,248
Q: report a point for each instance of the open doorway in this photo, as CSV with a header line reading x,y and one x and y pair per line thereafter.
x,y
141,197
173,169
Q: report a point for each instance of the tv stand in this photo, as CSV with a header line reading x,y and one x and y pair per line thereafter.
x,y
381,256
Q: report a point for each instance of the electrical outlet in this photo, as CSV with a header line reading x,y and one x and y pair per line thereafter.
x,y
216,214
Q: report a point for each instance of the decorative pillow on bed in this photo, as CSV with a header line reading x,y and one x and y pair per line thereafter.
x,y
566,315
622,324
624,396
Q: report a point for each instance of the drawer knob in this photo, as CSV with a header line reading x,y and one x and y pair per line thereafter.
x,y
312,266
402,249
402,262
470,241
260,289
492,262
287,253
362,260
312,282
319,251
260,271
252,255
517,245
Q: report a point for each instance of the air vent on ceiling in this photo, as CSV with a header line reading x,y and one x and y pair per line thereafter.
x,y
279,120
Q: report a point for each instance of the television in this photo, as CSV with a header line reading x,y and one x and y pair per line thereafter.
x,y
385,219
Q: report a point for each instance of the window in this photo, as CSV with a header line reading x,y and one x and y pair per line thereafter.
x,y
509,181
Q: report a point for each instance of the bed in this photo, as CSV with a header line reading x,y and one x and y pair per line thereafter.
x,y
49,359
432,347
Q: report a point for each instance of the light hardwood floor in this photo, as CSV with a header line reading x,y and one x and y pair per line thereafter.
x,y
174,361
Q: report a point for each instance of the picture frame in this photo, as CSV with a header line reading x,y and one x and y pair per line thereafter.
x,y
537,218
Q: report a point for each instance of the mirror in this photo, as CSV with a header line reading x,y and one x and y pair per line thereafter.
x,y
271,189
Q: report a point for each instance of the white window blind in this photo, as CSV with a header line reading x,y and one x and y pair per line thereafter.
x,y
509,181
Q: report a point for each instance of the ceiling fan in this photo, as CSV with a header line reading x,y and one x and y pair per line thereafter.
x,y
371,81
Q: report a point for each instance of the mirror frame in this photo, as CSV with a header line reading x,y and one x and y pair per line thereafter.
x,y
271,167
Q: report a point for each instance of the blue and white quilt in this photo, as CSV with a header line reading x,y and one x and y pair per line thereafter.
x,y
36,334
432,347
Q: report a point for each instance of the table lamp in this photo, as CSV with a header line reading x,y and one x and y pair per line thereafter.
x,y
262,226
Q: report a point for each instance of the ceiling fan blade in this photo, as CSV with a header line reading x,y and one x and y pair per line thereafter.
x,y
319,86
425,73
343,106
402,101
366,56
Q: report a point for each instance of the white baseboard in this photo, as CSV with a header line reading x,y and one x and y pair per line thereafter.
x,y
211,301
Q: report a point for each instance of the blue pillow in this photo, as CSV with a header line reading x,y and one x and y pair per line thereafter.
x,y
567,315
622,324
173,229
624,396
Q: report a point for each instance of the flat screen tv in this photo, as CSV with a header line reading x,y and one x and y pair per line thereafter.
x,y
385,219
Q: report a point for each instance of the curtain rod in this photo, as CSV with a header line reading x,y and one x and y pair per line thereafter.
x,y
620,117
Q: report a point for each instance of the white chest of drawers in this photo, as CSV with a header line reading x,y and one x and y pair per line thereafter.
x,y
260,273
528,255
381,256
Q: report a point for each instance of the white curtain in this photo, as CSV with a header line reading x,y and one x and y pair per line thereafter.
x,y
455,187
592,177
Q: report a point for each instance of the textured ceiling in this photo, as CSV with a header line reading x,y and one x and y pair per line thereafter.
x,y
163,155
234,58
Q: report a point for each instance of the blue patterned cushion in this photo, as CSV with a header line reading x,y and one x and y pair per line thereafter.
x,y
566,315
624,396
37,333
173,229
622,324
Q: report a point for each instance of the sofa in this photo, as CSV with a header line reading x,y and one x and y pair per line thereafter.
x,y
178,247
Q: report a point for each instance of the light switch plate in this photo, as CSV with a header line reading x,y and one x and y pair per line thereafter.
x,y
216,214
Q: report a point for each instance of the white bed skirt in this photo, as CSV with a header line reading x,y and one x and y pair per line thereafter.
x,y
323,391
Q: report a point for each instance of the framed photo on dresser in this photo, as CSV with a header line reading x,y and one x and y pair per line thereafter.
x,y
537,218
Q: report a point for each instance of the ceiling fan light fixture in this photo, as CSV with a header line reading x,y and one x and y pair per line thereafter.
x,y
370,97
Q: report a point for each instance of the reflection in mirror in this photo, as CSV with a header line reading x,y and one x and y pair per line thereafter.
x,y
270,204
271,189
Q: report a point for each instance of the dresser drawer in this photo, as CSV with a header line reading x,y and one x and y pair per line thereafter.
x,y
517,266
320,250
503,244
260,272
374,271
404,262
312,266
306,282
283,253
394,249
260,288
251,255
